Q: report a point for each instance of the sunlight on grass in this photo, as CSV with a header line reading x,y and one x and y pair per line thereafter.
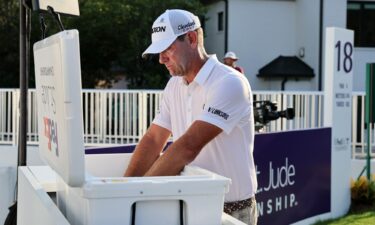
x,y
365,218
362,209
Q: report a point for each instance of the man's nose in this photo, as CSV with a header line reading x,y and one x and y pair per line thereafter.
x,y
162,58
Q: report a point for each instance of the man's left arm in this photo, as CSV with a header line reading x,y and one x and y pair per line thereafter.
x,y
184,150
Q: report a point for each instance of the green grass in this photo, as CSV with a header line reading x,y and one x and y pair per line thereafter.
x,y
359,216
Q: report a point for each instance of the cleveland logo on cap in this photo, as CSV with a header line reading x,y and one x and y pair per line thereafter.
x,y
185,27
158,29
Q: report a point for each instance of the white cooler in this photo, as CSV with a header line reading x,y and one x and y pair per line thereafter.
x,y
99,194
195,197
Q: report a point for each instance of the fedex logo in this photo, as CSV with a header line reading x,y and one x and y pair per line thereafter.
x,y
50,132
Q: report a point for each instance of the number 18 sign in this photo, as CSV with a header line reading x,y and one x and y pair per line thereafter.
x,y
338,79
338,75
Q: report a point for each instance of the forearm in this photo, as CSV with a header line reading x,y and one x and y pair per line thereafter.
x,y
172,162
143,157
147,151
184,150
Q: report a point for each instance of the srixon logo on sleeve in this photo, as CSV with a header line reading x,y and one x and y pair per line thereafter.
x,y
50,132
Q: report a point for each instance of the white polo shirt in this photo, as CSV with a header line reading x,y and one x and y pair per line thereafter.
x,y
221,96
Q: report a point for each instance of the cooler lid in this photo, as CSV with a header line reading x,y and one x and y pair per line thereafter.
x,y
58,89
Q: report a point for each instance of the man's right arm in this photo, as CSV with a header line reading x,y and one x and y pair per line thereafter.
x,y
148,150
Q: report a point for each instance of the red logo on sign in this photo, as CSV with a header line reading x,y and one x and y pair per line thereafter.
x,y
50,132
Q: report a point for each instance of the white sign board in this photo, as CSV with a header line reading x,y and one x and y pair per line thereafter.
x,y
70,7
60,122
338,75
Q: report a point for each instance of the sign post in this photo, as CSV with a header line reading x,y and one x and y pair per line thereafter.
x,y
338,75
370,111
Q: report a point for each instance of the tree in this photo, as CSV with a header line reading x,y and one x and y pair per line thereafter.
x,y
9,44
148,73
113,35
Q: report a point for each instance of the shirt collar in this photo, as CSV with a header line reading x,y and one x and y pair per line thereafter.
x,y
206,69
204,72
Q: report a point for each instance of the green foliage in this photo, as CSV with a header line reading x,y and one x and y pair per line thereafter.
x,y
363,192
113,35
9,45
362,209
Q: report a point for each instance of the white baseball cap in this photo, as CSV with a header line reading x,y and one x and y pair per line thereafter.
x,y
168,26
230,55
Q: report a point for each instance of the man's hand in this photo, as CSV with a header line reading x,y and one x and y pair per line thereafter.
x,y
148,150
184,150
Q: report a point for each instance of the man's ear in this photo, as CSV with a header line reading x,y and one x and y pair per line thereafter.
x,y
193,38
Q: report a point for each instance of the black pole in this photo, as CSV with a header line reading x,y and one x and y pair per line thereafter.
x,y
24,21
23,87
321,13
283,84
226,26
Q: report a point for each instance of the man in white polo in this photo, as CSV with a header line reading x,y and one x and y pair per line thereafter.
x,y
207,107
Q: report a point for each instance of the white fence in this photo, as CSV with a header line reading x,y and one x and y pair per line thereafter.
x,y
122,116
117,117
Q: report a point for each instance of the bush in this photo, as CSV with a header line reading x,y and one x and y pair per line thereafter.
x,y
363,192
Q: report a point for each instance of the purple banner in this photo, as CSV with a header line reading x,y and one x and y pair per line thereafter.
x,y
294,175
111,150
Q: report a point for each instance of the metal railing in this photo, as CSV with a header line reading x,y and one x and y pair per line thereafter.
x,y
122,116
117,116
8,115
359,128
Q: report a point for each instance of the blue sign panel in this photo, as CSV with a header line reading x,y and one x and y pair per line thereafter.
x,y
294,175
